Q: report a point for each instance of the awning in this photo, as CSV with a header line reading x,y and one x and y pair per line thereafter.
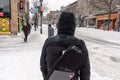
x,y
106,18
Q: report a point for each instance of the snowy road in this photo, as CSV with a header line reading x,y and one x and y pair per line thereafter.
x,y
20,61
105,60
104,55
98,41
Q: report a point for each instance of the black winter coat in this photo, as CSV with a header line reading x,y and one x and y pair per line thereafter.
x,y
26,29
65,37
56,44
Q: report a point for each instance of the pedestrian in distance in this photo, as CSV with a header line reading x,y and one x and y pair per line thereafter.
x,y
35,26
29,27
64,38
26,30
50,30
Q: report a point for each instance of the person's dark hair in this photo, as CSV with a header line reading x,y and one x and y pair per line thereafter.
x,y
66,23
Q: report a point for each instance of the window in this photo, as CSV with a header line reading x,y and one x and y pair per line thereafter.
x,y
5,8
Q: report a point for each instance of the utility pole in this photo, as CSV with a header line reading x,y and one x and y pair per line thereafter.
x,y
41,14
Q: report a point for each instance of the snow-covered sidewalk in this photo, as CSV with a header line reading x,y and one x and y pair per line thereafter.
x,y
19,60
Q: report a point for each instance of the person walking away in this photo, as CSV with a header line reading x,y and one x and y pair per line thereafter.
x,y
50,30
35,26
29,27
26,30
64,38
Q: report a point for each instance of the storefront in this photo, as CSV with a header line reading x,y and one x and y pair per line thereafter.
x,y
102,21
4,25
5,17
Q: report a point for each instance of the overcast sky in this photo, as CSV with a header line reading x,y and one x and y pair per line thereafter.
x,y
56,4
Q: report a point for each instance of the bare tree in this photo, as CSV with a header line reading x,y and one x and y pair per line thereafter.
x,y
104,5
45,6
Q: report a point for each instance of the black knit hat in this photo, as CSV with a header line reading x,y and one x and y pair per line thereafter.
x,y
66,24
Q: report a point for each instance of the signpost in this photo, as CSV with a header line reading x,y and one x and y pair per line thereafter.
x,y
41,14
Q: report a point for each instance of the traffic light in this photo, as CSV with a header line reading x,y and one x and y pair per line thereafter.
x,y
41,11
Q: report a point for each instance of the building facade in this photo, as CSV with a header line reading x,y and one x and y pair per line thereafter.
x,y
88,9
102,21
5,16
53,17
71,8
22,13
14,16
11,20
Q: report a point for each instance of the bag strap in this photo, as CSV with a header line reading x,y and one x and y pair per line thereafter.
x,y
56,63
52,69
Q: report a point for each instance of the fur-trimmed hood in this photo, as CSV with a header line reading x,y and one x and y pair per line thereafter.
x,y
66,23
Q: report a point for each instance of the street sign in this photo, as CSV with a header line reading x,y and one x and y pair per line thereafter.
x,y
38,8
35,10
31,10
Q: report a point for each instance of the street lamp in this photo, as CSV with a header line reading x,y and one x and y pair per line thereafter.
x,y
118,8
41,14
